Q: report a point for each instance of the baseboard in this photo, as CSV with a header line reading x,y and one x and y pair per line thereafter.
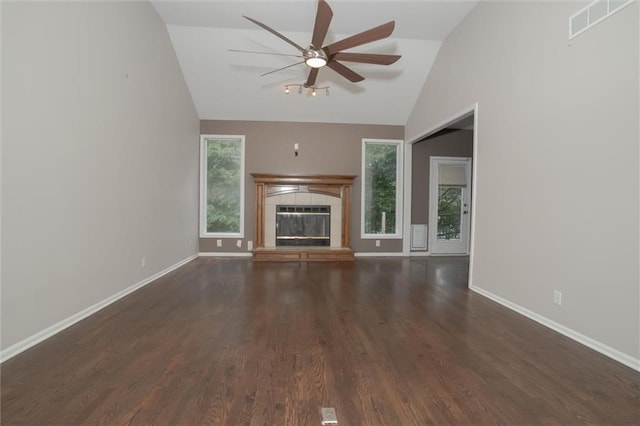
x,y
33,340
419,254
230,254
606,350
378,254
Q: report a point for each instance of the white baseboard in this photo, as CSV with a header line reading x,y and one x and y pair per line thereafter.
x,y
33,340
419,254
378,254
230,254
606,350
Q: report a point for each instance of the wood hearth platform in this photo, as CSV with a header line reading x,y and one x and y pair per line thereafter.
x,y
302,254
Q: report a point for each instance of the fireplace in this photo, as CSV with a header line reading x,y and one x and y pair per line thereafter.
x,y
303,217
298,225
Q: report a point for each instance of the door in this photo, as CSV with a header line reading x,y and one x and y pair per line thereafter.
x,y
449,205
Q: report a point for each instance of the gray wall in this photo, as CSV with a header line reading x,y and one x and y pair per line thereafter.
x,y
99,158
324,149
557,162
450,143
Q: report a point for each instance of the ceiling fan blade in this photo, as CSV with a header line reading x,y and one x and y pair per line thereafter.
x,y
264,53
280,69
275,33
313,74
373,34
323,19
366,58
347,73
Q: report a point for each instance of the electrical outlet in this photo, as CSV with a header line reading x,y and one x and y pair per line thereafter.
x,y
143,262
557,298
249,245
377,243
239,243
218,243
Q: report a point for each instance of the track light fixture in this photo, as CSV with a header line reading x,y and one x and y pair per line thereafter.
x,y
312,89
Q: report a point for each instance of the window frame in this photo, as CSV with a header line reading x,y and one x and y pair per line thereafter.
x,y
397,234
203,186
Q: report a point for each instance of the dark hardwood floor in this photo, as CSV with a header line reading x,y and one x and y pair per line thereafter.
x,y
384,341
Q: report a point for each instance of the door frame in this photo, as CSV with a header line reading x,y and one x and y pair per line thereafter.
x,y
471,110
465,224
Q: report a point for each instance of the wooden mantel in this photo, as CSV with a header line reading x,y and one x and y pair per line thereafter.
x,y
268,185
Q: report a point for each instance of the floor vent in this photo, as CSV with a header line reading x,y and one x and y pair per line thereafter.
x,y
594,13
329,416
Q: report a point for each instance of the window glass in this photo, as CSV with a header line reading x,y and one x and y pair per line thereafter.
x,y
223,185
381,177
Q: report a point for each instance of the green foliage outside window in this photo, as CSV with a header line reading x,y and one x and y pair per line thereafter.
x,y
224,166
380,188
449,206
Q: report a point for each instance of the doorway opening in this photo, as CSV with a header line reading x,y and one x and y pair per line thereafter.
x,y
455,139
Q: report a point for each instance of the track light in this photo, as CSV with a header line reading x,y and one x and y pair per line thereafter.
x,y
312,89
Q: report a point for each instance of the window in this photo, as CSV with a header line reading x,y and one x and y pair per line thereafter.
x,y
221,186
381,188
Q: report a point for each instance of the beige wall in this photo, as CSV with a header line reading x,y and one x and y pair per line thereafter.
x,y
450,143
99,158
557,162
324,149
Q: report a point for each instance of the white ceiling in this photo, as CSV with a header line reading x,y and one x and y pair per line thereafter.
x,y
227,85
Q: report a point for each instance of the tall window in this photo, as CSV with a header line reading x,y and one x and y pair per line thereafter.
x,y
221,186
381,188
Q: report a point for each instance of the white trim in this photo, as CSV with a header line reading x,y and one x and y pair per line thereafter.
x,y
406,231
50,331
203,187
597,346
419,254
464,113
222,254
397,234
379,254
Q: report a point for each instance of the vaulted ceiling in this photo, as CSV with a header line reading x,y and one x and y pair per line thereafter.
x,y
228,85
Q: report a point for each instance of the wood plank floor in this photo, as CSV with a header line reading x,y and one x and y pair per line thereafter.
x,y
384,341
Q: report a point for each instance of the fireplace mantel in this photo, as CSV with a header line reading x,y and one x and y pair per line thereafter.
x,y
271,185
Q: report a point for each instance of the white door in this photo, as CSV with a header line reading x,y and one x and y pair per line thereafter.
x,y
449,205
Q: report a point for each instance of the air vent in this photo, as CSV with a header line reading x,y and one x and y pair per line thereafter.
x,y
594,13
418,237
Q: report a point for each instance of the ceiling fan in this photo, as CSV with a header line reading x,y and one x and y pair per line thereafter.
x,y
317,56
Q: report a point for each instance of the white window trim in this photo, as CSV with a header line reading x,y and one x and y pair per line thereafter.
x,y
203,187
399,189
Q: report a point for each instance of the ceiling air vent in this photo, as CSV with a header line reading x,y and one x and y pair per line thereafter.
x,y
594,13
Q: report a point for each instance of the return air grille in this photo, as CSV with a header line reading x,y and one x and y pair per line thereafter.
x,y
594,13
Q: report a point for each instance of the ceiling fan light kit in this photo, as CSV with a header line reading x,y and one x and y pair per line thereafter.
x,y
315,58
330,55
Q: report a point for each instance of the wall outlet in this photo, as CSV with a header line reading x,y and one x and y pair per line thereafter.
x,y
239,243
249,245
557,298
377,243
218,243
143,262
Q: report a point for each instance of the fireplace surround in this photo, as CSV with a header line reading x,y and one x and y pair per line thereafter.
x,y
330,193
